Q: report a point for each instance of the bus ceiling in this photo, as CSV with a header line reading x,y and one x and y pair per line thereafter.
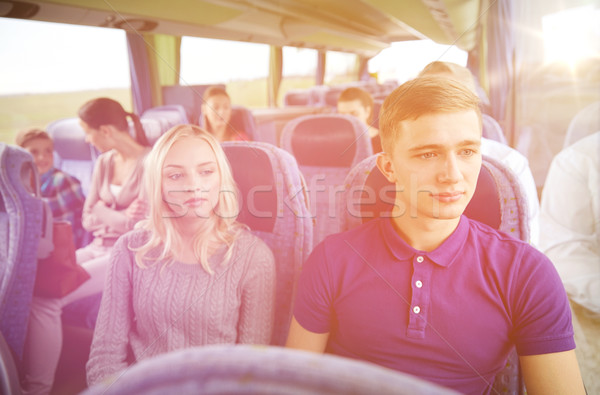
x,y
361,27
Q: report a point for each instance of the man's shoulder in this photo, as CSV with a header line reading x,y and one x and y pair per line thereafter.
x,y
366,233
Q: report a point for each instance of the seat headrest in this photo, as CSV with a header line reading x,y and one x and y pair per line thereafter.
x,y
379,196
69,139
253,173
324,141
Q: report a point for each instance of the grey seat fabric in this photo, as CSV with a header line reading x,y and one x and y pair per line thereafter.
x,y
20,232
246,369
273,205
584,123
326,147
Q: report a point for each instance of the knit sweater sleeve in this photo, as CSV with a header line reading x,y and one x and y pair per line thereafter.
x,y
258,291
109,346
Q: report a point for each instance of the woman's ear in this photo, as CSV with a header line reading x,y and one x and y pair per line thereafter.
x,y
386,166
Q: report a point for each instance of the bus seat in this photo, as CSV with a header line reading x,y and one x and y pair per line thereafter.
x,y
584,123
297,97
498,202
9,375
20,231
377,103
492,129
331,97
153,129
273,205
168,115
77,157
326,147
247,369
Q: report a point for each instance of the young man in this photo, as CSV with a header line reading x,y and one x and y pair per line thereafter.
x,y
359,103
430,292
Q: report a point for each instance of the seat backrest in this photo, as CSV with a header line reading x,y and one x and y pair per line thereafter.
x,y
297,97
273,205
584,123
77,157
246,369
326,147
168,115
153,129
498,201
20,231
492,129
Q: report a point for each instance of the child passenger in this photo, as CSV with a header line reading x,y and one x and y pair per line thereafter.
x,y
190,274
111,208
359,103
60,190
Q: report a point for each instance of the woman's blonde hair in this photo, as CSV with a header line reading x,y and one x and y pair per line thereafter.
x,y
164,237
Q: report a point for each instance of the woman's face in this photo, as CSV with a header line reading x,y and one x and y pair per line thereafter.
x,y
95,137
218,111
190,179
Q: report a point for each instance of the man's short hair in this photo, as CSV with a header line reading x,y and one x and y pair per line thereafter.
x,y
25,136
354,93
421,96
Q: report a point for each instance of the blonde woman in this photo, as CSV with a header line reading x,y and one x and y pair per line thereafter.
x,y
189,275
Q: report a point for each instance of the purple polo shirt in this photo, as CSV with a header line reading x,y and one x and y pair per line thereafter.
x,y
450,316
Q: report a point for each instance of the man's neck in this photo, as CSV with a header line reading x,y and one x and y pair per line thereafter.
x,y
424,234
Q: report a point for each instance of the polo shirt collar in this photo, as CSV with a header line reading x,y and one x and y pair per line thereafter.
x,y
444,255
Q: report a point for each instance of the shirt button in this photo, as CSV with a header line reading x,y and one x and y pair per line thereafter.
x,y
416,309
418,283
419,259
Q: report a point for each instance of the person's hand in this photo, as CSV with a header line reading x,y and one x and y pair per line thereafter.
x,y
137,210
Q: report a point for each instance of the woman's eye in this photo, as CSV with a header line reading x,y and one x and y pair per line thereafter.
x,y
206,172
174,176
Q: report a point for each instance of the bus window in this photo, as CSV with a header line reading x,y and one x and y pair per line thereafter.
x,y
50,69
299,69
405,59
340,68
210,61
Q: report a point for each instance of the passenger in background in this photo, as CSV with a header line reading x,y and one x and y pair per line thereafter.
x,y
190,274
570,237
60,190
510,157
112,207
359,103
216,114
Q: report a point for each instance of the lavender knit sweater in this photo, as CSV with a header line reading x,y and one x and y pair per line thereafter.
x,y
154,311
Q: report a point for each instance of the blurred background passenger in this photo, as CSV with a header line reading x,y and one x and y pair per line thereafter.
x,y
60,190
512,158
570,237
359,103
190,274
216,115
112,207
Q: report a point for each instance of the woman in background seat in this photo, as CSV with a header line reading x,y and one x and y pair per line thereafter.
x,y
216,114
111,208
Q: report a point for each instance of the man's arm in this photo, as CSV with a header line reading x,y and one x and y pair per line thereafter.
x,y
554,373
302,339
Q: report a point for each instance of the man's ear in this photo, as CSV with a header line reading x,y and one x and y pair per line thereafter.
x,y
385,165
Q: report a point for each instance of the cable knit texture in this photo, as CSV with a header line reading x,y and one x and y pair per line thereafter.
x,y
164,308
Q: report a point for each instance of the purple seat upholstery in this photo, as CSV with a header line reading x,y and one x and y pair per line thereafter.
x,y
20,232
245,369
